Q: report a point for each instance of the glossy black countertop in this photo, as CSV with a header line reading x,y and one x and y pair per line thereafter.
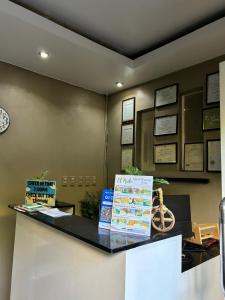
x,y
195,258
88,231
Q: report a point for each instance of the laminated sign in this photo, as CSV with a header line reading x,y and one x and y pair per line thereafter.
x,y
106,209
41,191
132,204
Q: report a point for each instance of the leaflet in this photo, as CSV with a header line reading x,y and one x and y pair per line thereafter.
x,y
132,204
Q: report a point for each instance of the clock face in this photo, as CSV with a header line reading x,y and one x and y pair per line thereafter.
x,y
4,120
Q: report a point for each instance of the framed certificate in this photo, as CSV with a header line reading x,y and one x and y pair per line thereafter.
x,y
127,134
166,95
213,156
194,157
211,118
165,153
165,125
127,157
212,88
128,110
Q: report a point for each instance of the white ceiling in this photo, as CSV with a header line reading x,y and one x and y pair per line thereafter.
x,y
81,62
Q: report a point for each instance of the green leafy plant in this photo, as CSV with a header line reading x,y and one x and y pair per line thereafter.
x,y
131,170
89,206
157,182
42,176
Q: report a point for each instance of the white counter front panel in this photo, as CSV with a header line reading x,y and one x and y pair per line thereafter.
x,y
51,265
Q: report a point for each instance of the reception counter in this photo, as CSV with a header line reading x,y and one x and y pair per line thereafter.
x,y
70,258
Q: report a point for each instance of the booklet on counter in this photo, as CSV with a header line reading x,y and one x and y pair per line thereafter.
x,y
54,212
28,208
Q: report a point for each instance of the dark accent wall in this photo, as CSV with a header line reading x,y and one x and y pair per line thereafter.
x,y
205,198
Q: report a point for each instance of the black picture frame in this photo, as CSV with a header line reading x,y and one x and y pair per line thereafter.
x,y
131,147
207,156
200,143
207,86
165,163
204,128
165,87
166,116
121,136
133,119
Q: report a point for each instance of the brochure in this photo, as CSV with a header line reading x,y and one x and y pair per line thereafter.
x,y
132,204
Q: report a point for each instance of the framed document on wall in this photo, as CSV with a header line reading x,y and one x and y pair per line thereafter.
x,y
128,110
211,118
166,96
165,125
127,157
213,156
165,153
127,134
194,157
212,88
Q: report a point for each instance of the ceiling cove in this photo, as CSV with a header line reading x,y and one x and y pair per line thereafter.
x,y
184,17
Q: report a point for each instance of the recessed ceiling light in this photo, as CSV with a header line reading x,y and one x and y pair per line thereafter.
x,y
43,54
119,84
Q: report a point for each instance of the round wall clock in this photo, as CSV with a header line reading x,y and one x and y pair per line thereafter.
x,y
4,120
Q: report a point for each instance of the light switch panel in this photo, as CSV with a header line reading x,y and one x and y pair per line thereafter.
x,y
64,181
94,180
72,180
80,180
87,180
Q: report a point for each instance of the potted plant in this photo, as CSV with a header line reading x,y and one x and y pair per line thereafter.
x,y
89,206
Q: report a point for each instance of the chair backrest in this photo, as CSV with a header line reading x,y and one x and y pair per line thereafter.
x,y
181,208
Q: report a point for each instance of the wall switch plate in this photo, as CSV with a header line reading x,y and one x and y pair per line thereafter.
x,y
80,180
64,181
93,180
72,180
87,180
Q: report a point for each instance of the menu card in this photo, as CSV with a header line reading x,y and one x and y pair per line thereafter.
x,y
132,204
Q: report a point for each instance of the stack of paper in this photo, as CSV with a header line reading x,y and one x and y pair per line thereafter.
x,y
28,208
54,212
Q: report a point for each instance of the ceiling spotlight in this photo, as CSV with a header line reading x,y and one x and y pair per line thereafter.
x,y
119,84
43,54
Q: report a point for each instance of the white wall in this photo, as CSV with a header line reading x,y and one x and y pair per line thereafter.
x,y
222,118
